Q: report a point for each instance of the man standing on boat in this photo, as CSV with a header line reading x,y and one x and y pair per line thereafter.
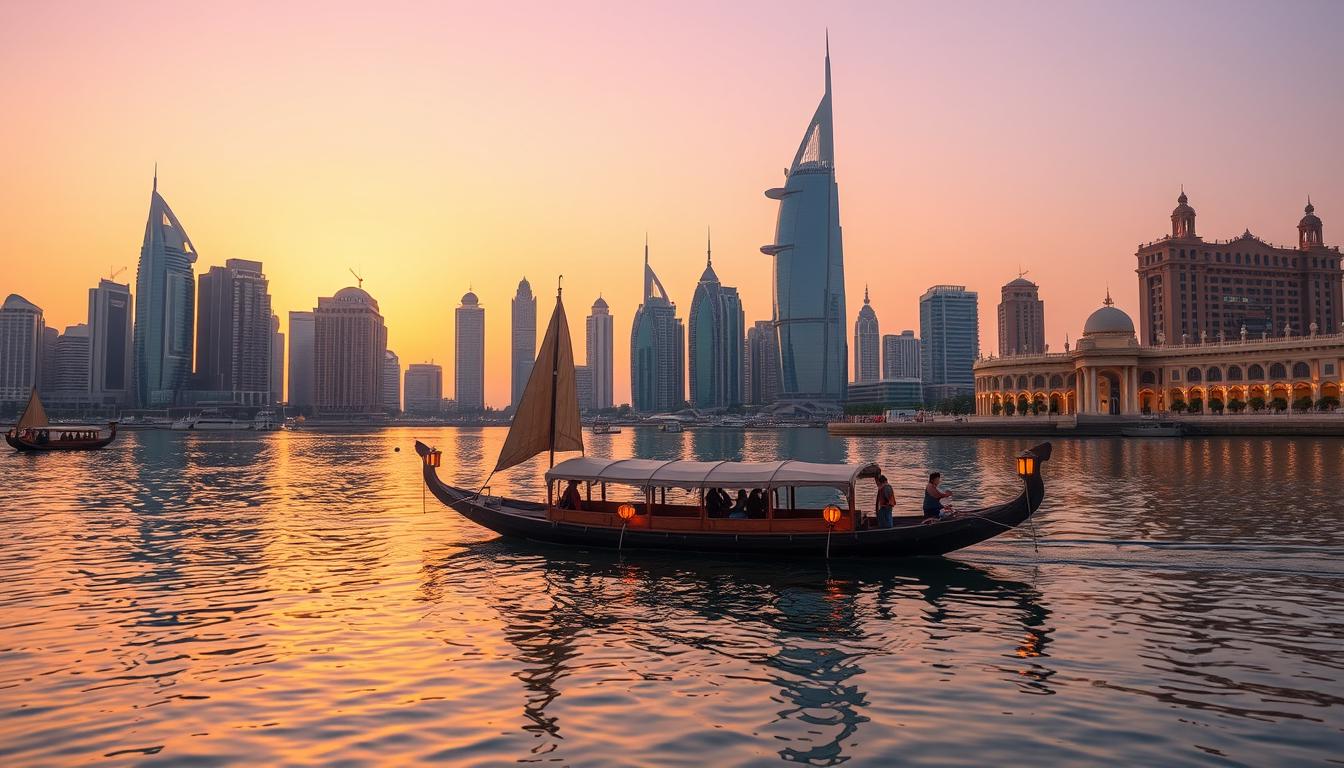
x,y
886,501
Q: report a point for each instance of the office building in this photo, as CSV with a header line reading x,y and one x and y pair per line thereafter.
x,y
392,382
600,349
762,367
22,332
523,336
583,385
867,347
349,346
233,334
469,355
111,336
949,334
424,388
165,308
715,335
900,356
657,350
1021,319
302,388
277,361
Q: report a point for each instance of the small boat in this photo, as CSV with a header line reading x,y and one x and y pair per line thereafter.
x,y
210,420
35,433
603,427
1154,429
547,420
671,425
267,420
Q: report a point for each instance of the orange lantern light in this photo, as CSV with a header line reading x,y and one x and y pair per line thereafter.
x,y
831,514
625,511
1026,465
434,458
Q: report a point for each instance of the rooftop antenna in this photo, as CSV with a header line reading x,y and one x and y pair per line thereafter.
x,y
709,249
1022,272
358,277
113,273
156,176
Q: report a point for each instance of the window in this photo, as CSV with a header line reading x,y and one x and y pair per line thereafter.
x,y
1301,371
1214,375
1277,371
1192,375
1255,373
1234,373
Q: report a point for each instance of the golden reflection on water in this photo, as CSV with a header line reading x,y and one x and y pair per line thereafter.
x,y
263,599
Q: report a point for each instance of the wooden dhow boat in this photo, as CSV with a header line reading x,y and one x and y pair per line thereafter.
x,y
35,433
623,503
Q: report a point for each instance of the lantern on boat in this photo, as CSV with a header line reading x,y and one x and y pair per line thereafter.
x,y
433,458
625,511
1026,465
831,514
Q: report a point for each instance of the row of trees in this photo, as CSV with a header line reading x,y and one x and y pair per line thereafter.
x,y
1255,404
1024,407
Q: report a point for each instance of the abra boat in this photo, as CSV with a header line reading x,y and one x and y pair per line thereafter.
x,y
35,433
596,514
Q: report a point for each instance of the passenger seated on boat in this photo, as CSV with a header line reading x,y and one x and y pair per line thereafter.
x,y
756,507
934,509
571,499
713,507
739,511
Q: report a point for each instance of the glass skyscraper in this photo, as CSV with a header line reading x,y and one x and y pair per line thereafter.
x,y
657,350
809,271
949,331
165,307
716,335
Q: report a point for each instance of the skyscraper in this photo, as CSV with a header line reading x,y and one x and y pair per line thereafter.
x,y
165,307
762,380
809,271
391,382
277,361
867,354
469,355
233,334
1021,319
900,356
524,339
46,356
583,386
424,388
110,343
657,349
949,332
21,340
349,339
72,365
716,336
302,393
599,348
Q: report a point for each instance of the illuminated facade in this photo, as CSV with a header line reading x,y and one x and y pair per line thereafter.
x,y
349,345
809,272
1110,374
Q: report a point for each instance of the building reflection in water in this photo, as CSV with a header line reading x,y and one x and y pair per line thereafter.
x,y
806,632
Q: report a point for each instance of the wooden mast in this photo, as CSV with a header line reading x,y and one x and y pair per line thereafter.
x,y
555,374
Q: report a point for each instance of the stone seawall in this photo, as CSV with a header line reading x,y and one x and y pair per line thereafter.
x,y
1328,425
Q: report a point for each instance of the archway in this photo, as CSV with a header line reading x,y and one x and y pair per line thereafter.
x,y
1108,393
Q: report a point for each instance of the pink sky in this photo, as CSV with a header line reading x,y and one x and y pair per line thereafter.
x,y
435,147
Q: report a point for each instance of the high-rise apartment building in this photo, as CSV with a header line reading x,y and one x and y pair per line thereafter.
x,y
277,361
583,387
21,339
424,388
657,350
900,356
867,346
111,335
949,333
1193,290
234,334
762,367
391,382
523,346
302,388
600,348
716,335
165,307
349,342
72,366
809,269
1021,319
469,355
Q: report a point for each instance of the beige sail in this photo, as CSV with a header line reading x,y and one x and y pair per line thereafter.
x,y
34,415
547,417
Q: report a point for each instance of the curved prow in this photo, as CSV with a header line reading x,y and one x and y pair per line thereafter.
x,y
1029,468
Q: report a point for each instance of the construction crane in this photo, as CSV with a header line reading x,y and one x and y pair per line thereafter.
x,y
113,275
357,277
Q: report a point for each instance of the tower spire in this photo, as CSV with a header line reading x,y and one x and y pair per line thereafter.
x,y
156,176
865,293
646,248
828,60
709,249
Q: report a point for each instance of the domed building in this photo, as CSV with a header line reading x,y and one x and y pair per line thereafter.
x,y
349,349
469,355
1109,374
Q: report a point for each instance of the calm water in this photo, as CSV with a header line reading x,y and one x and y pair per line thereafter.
x,y
283,599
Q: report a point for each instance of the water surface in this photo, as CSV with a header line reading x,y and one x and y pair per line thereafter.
x,y
284,598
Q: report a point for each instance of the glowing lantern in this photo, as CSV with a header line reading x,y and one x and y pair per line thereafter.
x,y
433,458
831,514
625,511
1026,465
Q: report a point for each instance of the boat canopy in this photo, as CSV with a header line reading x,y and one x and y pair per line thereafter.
x,y
710,474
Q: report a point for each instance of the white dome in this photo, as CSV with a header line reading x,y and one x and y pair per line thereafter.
x,y
1108,319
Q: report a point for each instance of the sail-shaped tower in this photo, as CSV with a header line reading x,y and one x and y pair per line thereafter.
x,y
165,307
809,269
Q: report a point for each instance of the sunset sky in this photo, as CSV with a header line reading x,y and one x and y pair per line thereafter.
x,y
435,147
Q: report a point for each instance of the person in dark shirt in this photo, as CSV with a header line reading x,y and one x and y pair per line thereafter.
x,y
713,504
756,504
739,511
886,502
571,498
933,499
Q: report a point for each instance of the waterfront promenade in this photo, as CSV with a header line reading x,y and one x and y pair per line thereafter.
x,y
1250,425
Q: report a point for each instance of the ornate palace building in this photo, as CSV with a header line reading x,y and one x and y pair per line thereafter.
x,y
1110,373
1191,289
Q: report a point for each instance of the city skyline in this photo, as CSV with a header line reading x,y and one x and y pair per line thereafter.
x,y
972,181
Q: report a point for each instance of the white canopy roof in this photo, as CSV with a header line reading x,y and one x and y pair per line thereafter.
x,y
710,474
